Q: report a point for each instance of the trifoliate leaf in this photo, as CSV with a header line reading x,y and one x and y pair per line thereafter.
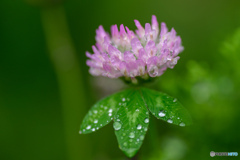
x,y
165,107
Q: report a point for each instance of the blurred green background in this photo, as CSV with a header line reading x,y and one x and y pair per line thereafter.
x,y
45,87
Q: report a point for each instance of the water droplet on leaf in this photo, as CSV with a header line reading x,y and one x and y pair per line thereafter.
x,y
139,126
161,114
182,124
117,126
170,121
88,127
146,120
131,135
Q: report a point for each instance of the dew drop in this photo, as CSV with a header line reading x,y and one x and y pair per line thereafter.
x,y
95,121
146,120
145,129
97,128
123,99
170,121
124,134
138,139
80,132
117,126
110,114
131,135
125,144
141,137
139,126
105,108
88,127
161,114
95,111
83,130
175,100
118,120
110,110
182,124
178,117
130,140
93,129
137,110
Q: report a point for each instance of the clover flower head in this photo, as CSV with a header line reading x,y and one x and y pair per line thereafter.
x,y
143,53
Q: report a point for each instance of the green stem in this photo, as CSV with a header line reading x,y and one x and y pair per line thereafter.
x,y
63,57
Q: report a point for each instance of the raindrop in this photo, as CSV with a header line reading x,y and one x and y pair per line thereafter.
x,y
101,125
88,127
83,130
145,129
139,126
131,135
175,100
97,128
170,121
182,124
95,121
95,111
130,140
178,117
141,137
119,104
110,110
146,112
117,126
80,132
138,139
125,144
161,114
110,114
105,107
146,120
137,110
93,129
118,120
123,99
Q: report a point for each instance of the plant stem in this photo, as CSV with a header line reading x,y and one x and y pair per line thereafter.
x,y
63,57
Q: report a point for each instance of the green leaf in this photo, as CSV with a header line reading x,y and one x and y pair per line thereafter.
x,y
166,108
100,114
131,122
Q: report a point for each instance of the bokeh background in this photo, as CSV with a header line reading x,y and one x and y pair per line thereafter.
x,y
45,87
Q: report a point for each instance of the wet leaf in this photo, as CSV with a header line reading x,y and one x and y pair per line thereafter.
x,y
100,114
165,107
131,122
